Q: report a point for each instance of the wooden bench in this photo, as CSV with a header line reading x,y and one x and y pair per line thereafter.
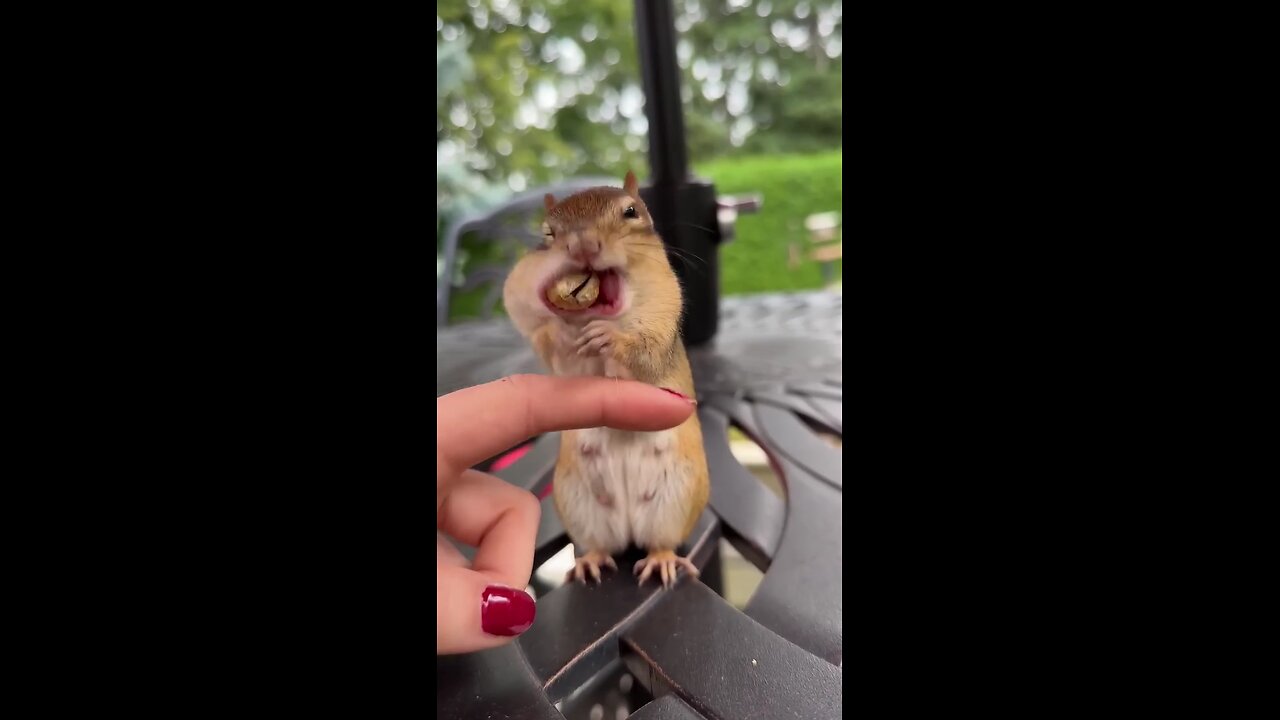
x,y
823,229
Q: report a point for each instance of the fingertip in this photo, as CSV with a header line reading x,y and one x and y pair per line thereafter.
x,y
680,395
476,613
651,408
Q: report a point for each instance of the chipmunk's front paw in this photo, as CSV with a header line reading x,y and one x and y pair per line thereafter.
x,y
599,337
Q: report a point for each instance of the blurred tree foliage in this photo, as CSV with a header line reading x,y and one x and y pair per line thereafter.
x,y
530,92
761,76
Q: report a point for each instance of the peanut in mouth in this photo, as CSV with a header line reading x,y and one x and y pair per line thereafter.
x,y
575,291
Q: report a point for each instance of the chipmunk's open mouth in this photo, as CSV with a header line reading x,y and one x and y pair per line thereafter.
x,y
594,292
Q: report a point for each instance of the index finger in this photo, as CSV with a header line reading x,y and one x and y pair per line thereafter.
x,y
479,422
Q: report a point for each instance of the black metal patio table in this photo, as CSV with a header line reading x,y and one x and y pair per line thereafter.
x,y
769,365
774,371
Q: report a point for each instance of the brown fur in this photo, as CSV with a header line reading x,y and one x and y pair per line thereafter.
x,y
644,341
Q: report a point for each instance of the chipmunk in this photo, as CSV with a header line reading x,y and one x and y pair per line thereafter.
x,y
599,297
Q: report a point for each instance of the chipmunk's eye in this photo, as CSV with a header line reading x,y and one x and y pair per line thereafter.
x,y
630,212
548,236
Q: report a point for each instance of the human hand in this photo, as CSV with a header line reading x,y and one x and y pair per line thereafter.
x,y
484,605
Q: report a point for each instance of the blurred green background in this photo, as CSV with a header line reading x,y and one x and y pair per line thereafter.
x,y
793,187
529,93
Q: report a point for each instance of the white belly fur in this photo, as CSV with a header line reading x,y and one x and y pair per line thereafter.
x,y
631,487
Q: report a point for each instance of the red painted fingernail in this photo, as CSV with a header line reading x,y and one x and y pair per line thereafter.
x,y
681,395
505,611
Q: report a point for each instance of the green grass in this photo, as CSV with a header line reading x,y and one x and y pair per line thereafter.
x,y
793,187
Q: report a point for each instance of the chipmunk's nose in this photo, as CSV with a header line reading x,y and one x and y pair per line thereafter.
x,y
584,246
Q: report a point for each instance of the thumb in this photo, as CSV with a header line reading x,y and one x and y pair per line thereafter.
x,y
476,612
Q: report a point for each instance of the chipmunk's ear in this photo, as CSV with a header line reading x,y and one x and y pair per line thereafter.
x,y
549,200
630,185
